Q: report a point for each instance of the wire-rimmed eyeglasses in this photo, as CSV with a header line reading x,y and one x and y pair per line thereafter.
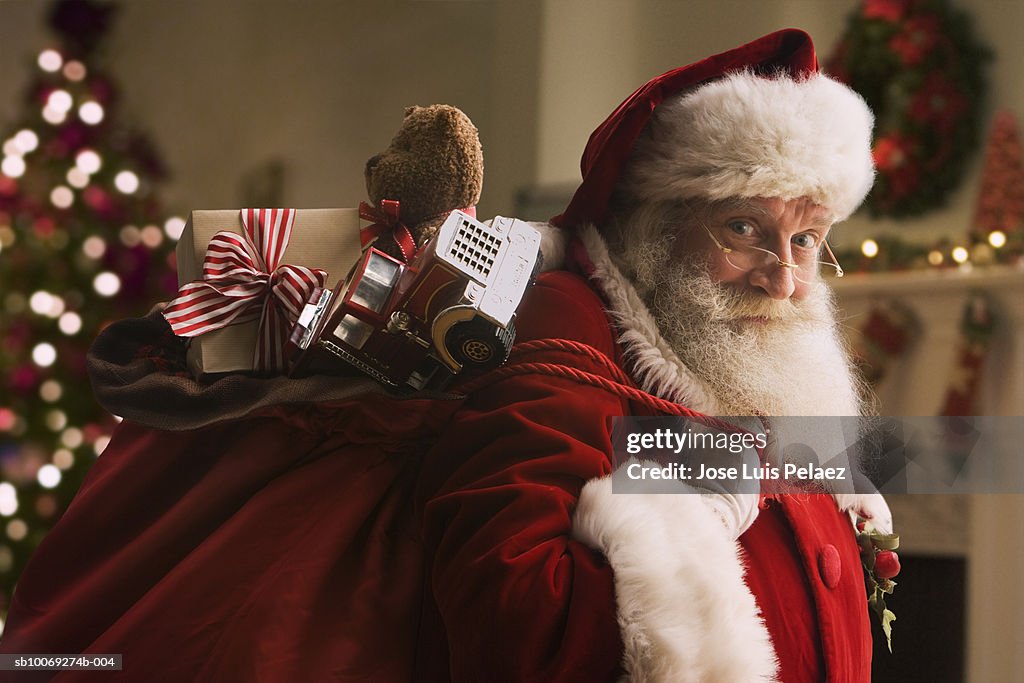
x,y
746,257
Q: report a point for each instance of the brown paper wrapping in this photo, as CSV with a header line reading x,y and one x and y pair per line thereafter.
x,y
321,238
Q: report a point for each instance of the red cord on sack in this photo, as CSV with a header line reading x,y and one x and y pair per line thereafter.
x,y
621,385
572,347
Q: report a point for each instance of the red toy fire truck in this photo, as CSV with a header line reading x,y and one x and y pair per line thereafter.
x,y
419,324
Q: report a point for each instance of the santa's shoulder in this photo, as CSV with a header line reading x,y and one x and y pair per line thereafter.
x,y
563,305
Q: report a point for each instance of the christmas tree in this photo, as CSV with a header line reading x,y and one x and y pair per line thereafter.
x,y
1000,207
82,243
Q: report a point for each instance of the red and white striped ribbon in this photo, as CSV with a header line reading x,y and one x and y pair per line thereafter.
x,y
243,281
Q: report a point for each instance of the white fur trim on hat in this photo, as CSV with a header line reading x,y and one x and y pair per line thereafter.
x,y
750,136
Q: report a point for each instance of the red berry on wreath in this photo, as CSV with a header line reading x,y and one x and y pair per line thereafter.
x,y
887,564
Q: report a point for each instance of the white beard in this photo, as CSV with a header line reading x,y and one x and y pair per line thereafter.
x,y
793,363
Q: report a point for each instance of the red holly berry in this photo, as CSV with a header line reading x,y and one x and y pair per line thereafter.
x,y
887,564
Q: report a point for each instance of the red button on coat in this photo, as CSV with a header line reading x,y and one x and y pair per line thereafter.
x,y
829,565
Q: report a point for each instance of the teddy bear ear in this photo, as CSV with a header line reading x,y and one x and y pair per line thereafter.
x,y
409,111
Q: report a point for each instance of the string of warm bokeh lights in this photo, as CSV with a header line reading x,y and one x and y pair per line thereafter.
x,y
937,256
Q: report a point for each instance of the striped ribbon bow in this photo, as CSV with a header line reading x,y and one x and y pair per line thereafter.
x,y
243,280
386,219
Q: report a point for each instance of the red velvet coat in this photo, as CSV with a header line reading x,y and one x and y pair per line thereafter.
x,y
386,540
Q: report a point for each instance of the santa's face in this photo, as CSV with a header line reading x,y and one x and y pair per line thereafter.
x,y
739,238
762,340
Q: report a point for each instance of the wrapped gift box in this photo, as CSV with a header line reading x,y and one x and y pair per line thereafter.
x,y
327,239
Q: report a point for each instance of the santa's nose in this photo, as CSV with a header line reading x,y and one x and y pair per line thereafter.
x,y
775,280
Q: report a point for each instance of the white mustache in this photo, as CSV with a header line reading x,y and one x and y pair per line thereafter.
x,y
738,305
724,303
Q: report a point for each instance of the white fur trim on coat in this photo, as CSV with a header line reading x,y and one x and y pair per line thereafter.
x,y
684,612
749,136
869,506
552,245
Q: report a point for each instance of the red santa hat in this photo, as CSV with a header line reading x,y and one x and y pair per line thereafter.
x,y
758,120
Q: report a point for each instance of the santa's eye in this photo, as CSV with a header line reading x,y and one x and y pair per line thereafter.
x,y
806,240
740,228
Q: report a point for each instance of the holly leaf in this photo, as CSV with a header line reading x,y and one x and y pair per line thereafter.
x,y
876,603
887,618
886,541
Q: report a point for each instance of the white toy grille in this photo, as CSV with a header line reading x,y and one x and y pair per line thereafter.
x,y
475,247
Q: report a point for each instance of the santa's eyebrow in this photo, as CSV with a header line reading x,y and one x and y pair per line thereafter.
x,y
744,205
741,205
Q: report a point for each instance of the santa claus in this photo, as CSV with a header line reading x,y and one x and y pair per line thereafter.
x,y
697,239
273,529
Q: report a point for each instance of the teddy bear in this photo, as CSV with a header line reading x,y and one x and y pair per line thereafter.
x,y
433,165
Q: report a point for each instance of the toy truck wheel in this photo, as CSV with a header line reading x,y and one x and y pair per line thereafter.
x,y
480,344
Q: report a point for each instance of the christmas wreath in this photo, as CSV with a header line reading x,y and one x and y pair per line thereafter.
x,y
919,67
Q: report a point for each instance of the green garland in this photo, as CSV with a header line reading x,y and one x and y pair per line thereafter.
x,y
896,254
919,67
